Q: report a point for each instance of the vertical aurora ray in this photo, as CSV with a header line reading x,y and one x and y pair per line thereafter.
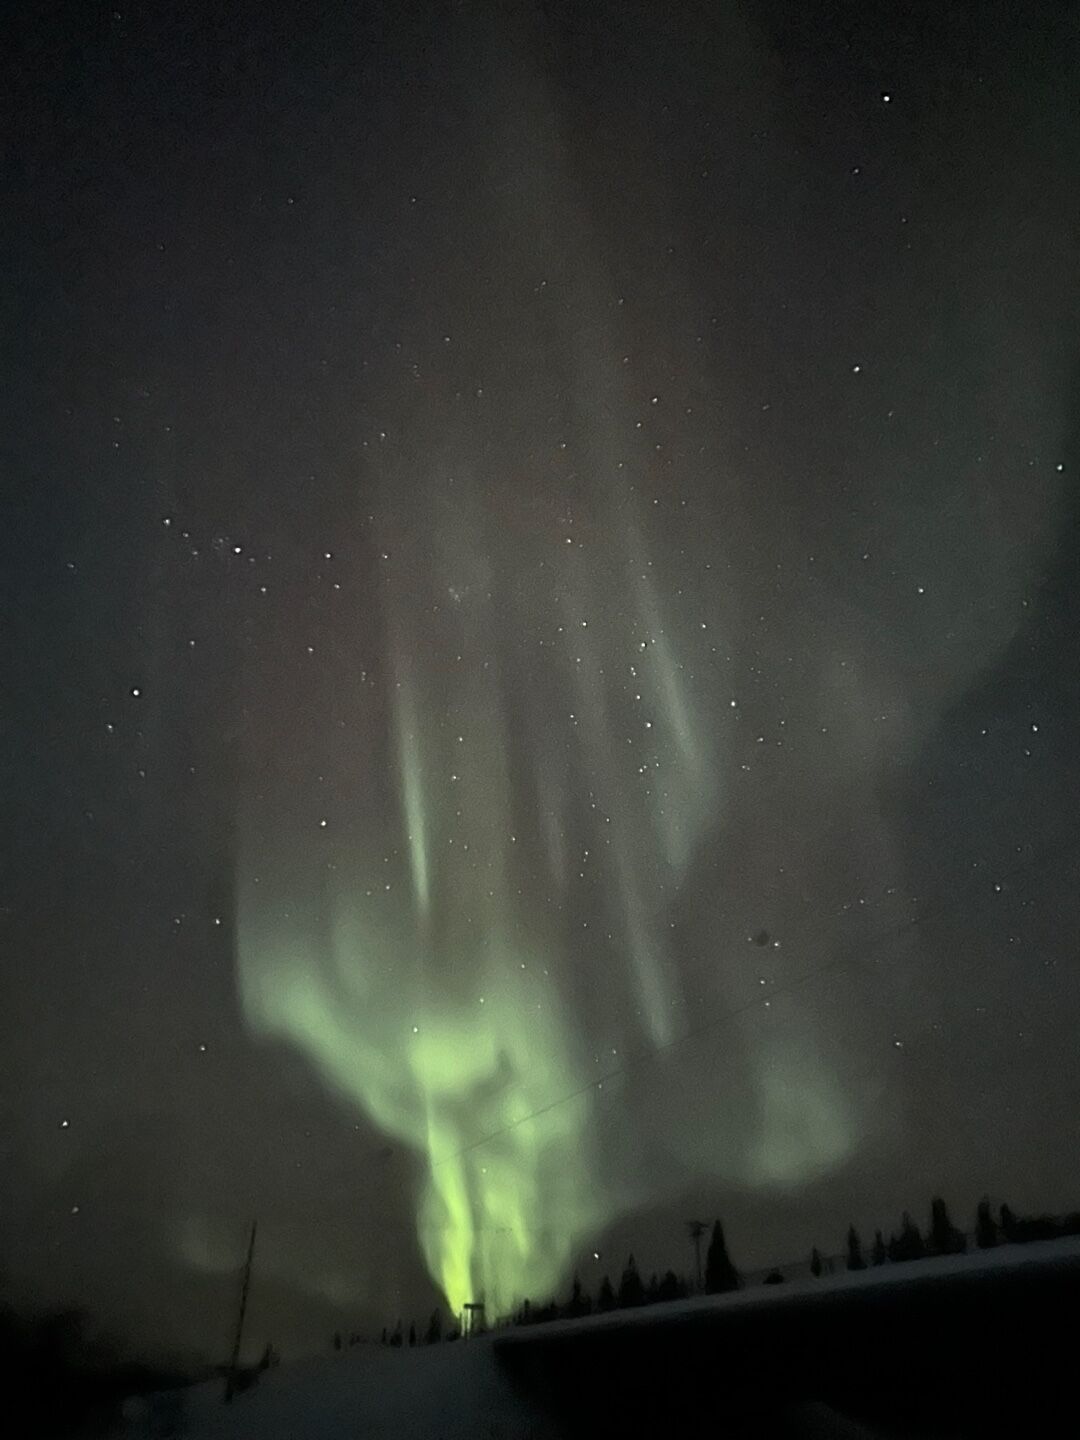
x,y
412,797
442,1006
504,918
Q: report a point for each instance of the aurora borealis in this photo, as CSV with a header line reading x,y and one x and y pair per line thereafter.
x,y
566,727
549,709
439,990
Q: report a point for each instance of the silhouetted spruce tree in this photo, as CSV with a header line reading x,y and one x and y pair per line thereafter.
x,y
914,1245
1009,1224
412,1332
986,1231
337,1339
395,1338
774,1277
578,1303
631,1290
385,1337
855,1259
879,1254
671,1288
908,1245
815,1262
605,1299
434,1329
720,1273
945,1238
652,1290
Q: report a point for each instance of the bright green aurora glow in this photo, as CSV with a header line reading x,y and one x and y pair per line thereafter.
x,y
438,982
498,1220
519,885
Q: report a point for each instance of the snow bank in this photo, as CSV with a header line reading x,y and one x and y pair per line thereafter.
x,y
439,1392
462,1392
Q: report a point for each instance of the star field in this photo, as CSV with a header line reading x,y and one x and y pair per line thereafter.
x,y
543,676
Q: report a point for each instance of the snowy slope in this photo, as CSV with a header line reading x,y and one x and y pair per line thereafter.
x,y
462,1391
439,1392
911,1273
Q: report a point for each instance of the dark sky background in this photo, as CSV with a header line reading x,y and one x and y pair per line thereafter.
x,y
539,547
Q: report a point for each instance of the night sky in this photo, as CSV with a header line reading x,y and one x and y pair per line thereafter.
x,y
540,643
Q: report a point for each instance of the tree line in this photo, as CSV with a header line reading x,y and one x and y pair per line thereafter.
x,y
908,1242
941,1237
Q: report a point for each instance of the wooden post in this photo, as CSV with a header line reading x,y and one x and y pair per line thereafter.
x,y
234,1363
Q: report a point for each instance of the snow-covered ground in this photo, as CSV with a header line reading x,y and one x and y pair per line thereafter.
x,y
910,1273
462,1392
438,1392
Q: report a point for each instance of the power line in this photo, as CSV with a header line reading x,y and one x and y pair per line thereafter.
x,y
1046,852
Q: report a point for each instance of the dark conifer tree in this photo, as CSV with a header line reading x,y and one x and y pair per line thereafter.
x,y
720,1273
855,1259
412,1332
434,1329
670,1288
1009,1224
815,1262
908,1245
385,1337
914,1245
945,1239
879,1254
631,1290
579,1302
605,1300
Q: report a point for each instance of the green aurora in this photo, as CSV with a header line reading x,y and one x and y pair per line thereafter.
x,y
433,1001
572,682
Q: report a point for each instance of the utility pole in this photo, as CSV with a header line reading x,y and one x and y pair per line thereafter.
x,y
234,1363
697,1229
